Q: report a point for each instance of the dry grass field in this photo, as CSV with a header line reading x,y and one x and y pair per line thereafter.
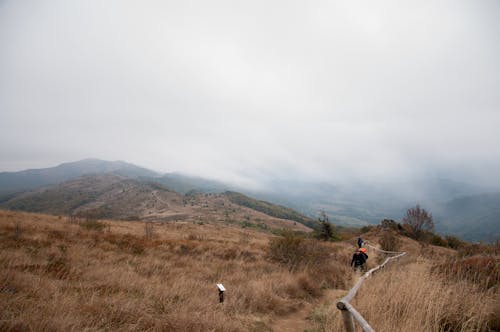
x,y
59,276
430,289
116,275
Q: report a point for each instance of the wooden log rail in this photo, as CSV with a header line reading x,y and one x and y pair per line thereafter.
x,y
348,311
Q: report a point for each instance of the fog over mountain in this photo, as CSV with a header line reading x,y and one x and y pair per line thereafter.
x,y
467,210
329,92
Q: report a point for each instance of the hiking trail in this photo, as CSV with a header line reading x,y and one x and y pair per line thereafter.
x,y
298,321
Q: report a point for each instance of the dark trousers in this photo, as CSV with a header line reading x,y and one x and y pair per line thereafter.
x,y
361,267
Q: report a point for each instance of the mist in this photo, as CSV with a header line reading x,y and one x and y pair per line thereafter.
x,y
249,92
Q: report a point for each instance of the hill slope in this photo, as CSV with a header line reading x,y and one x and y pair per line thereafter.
x,y
12,182
116,197
273,210
105,196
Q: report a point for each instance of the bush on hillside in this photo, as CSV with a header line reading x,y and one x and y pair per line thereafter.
x,y
389,224
418,225
437,240
389,241
326,231
295,251
419,220
312,263
366,229
454,242
93,225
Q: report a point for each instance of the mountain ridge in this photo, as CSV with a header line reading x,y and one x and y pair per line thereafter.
x,y
357,204
13,182
111,196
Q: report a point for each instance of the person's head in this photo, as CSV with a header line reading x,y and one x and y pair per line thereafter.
x,y
363,250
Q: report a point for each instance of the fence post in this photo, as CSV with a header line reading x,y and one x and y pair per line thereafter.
x,y
221,289
346,317
348,321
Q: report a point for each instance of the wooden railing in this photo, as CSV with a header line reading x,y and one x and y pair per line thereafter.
x,y
348,311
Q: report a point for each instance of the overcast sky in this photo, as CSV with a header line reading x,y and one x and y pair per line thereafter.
x,y
239,90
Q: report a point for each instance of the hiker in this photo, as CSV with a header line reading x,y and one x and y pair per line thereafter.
x,y
359,259
360,242
363,252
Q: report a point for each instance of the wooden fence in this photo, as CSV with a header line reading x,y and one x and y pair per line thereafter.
x,y
349,313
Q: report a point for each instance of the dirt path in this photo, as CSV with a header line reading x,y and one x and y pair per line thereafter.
x,y
297,322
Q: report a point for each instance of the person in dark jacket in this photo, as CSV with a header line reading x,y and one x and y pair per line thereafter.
x,y
359,260
360,242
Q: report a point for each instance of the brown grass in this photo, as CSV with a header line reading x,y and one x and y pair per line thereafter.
x,y
483,271
60,276
409,297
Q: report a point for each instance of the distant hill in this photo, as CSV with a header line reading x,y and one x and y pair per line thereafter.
x,y
14,182
472,218
105,195
117,197
273,210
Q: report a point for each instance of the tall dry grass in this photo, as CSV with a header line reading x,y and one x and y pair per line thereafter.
x,y
482,270
57,275
60,276
409,297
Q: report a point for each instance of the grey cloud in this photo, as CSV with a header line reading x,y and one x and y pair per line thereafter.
x,y
326,90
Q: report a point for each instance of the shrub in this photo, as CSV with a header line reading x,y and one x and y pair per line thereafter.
x,y
93,225
325,230
389,241
454,242
295,251
389,224
419,220
406,230
437,240
332,274
366,229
